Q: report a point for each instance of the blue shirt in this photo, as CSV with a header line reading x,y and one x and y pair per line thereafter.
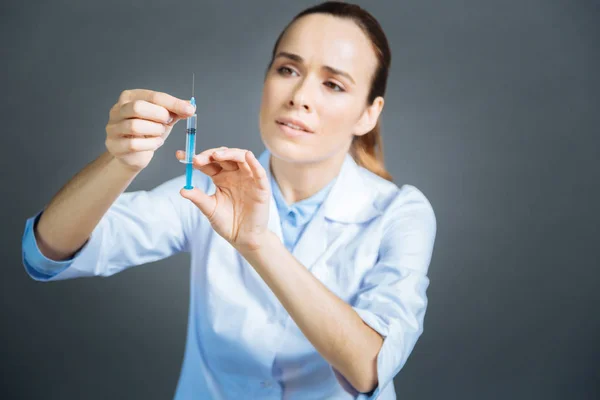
x,y
295,217
367,240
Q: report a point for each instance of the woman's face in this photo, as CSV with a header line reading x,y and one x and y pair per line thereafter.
x,y
320,77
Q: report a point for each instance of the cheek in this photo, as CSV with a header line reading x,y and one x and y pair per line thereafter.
x,y
337,118
265,99
270,98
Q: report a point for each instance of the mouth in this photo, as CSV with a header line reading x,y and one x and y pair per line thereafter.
x,y
293,132
294,124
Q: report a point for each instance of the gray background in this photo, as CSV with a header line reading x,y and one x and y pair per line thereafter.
x,y
491,110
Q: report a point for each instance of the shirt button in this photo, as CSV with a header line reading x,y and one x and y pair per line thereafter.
x,y
292,217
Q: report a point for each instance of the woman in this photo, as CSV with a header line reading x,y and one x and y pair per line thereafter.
x,y
309,265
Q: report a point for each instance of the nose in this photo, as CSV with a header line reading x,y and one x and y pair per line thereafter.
x,y
298,99
293,103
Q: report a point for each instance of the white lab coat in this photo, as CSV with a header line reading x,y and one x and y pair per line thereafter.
x,y
370,243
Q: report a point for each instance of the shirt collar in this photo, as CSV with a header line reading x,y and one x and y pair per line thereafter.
x,y
351,197
302,210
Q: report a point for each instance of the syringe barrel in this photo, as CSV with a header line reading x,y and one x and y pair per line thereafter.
x,y
190,139
191,122
190,146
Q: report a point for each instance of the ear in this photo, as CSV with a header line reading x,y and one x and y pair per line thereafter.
x,y
369,118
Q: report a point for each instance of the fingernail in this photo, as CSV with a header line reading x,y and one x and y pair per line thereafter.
x,y
190,108
219,153
170,120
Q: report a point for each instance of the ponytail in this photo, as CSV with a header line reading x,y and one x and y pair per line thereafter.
x,y
367,151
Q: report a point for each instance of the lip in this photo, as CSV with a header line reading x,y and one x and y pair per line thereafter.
x,y
293,121
291,132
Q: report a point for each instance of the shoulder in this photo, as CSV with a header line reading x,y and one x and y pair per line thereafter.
x,y
402,208
407,221
391,199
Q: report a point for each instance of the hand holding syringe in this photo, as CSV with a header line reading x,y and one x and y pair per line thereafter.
x,y
140,122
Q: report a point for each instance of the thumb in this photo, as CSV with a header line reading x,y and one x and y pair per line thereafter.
x,y
204,202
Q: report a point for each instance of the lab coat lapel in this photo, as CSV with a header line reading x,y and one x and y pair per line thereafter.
x,y
313,241
353,197
350,201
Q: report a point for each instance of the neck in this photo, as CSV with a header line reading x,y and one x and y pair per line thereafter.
x,y
299,181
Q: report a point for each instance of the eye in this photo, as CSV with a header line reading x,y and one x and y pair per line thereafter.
x,y
282,70
335,87
287,71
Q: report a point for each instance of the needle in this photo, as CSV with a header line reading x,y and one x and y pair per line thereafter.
x,y
193,100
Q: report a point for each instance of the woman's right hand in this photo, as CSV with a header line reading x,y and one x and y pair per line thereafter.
x,y
140,122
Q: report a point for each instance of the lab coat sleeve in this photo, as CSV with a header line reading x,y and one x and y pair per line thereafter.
x,y
139,227
392,298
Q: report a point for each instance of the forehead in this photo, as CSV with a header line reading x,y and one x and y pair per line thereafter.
x,y
336,42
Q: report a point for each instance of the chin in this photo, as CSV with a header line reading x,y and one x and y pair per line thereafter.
x,y
289,151
286,148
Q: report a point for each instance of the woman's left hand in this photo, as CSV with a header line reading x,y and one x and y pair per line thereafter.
x,y
239,208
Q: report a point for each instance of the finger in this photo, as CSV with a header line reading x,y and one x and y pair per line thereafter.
x,y
208,156
204,202
258,172
121,146
204,156
178,106
228,165
145,110
235,155
209,168
136,127
204,160
243,166
174,119
229,159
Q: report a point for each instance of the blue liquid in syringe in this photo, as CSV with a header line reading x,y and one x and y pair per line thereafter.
x,y
189,168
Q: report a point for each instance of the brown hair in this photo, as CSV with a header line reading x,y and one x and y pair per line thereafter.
x,y
367,150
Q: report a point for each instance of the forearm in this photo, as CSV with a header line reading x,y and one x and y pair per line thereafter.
x,y
74,212
331,325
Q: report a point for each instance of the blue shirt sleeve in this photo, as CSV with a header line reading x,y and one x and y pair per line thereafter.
x,y
139,227
36,263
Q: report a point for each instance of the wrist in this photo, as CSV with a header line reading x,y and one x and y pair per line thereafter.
x,y
258,245
123,169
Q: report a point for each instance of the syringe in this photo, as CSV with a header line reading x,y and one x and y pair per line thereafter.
x,y
190,144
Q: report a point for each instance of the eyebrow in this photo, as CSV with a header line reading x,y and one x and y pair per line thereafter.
x,y
297,58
